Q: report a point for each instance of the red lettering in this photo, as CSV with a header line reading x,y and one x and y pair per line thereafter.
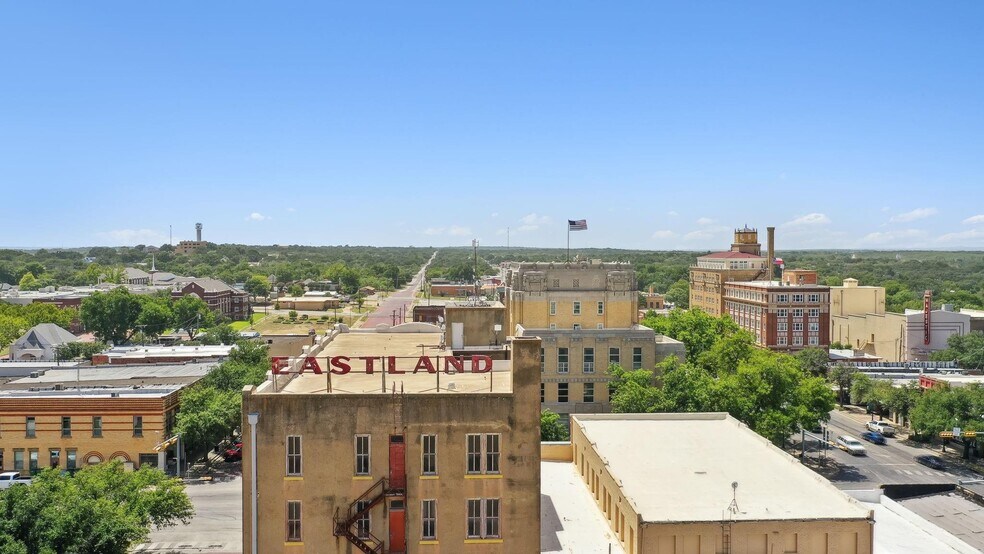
x,y
310,362
453,361
474,365
392,367
338,365
370,360
277,364
424,363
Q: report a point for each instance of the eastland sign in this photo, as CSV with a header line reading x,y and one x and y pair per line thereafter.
x,y
340,365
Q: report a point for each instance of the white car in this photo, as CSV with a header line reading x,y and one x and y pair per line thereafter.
x,y
881,427
850,445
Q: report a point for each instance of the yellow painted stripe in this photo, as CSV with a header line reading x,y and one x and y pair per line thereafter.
x,y
429,477
293,478
497,476
483,541
429,542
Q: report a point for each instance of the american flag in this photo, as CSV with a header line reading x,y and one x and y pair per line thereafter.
x,y
577,224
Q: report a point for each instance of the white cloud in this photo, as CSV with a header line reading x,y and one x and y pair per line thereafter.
x,y
130,237
672,213
291,210
664,234
705,221
971,235
495,214
903,237
257,216
532,222
433,231
808,220
918,213
974,220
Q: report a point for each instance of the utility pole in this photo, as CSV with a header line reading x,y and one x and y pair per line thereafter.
x,y
475,269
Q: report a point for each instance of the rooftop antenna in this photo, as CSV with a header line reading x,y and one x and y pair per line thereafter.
x,y
170,235
733,507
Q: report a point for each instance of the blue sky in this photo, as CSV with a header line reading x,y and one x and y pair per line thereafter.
x,y
844,124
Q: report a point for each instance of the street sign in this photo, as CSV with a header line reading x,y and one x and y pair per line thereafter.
x,y
956,431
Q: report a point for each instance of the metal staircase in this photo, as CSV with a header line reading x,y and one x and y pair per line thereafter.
x,y
345,524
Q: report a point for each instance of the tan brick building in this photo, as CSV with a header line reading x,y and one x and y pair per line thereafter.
x,y
400,459
744,262
68,430
587,314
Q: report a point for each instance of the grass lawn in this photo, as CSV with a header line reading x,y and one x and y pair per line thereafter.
x,y
273,325
241,325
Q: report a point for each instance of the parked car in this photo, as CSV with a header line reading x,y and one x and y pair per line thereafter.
x,y
881,427
934,462
850,445
234,453
873,436
11,478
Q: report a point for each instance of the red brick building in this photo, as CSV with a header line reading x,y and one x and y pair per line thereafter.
x,y
786,315
220,297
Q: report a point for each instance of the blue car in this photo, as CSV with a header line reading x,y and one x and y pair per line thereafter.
x,y
873,436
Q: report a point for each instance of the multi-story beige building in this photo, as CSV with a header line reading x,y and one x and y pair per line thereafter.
x,y
386,442
895,337
744,262
705,483
587,314
854,299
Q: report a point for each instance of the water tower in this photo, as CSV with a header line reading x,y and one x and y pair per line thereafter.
x,y
198,232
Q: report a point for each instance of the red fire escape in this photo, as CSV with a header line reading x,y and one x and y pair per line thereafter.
x,y
393,491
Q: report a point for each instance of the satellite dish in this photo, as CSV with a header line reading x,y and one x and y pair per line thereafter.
x,y
440,319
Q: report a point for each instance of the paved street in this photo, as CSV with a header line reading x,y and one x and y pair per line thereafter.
x,y
217,526
398,302
888,464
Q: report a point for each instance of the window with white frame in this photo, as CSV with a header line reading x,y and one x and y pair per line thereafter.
x,y
428,519
601,308
783,298
293,455
797,298
781,341
782,326
814,327
553,325
577,308
428,464
797,326
589,392
797,312
483,518
563,359
814,312
588,360
637,357
363,524
543,360
797,341
483,453
782,312
293,521
813,298
362,453
814,341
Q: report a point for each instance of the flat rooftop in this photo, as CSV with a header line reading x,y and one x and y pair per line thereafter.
x,y
953,513
570,520
407,348
777,284
680,467
203,351
157,391
116,373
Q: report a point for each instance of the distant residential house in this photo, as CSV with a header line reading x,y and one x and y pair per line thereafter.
x,y
220,297
134,276
367,291
40,343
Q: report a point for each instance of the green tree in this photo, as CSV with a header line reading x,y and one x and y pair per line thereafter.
x,y
295,290
257,285
696,329
841,375
814,361
679,294
861,388
79,350
111,315
156,315
967,350
29,282
551,428
191,313
102,509
220,334
207,416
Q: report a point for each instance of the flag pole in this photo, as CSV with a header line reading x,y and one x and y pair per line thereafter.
x,y
568,242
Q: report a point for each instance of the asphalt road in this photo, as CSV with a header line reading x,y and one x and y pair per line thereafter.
x,y
398,303
217,527
889,464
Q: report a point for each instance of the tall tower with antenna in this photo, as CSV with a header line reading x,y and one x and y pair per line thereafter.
x,y
198,232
